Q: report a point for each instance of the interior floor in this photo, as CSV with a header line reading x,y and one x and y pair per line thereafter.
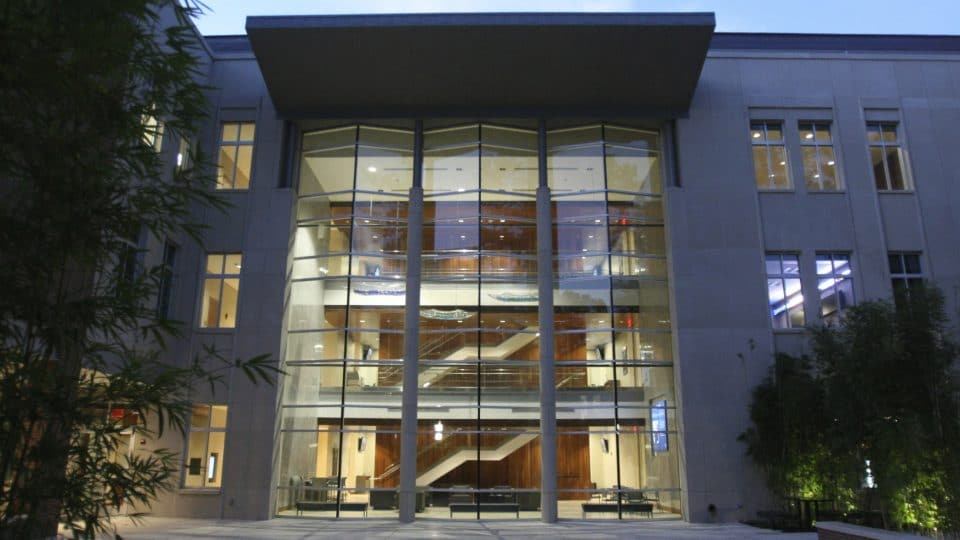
x,y
565,510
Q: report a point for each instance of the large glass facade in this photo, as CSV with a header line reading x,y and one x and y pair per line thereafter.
x,y
340,403
478,321
478,447
616,408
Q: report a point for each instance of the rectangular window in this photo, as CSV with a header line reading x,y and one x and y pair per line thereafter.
x,y
784,291
208,432
165,289
835,283
152,131
905,272
221,287
183,154
886,157
236,155
769,156
130,261
819,161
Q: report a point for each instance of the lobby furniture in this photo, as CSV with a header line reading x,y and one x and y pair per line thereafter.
x,y
316,506
485,507
614,508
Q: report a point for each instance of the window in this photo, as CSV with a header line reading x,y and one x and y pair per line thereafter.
x,y
905,272
819,161
165,289
236,155
183,154
783,290
208,431
221,287
886,157
769,155
835,283
130,261
152,131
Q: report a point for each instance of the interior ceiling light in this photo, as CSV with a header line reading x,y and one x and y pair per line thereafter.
x,y
756,135
371,169
831,163
808,136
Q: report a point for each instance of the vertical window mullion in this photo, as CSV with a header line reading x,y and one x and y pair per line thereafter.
x,y
236,162
206,445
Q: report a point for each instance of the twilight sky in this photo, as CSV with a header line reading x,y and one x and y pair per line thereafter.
x,y
807,16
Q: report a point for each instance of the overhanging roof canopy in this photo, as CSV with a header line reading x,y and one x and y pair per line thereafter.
x,y
517,63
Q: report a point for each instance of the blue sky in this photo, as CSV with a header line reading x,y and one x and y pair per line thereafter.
x,y
808,16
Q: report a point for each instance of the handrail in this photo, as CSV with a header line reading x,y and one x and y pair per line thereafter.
x,y
447,441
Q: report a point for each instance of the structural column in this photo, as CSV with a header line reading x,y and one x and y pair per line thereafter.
x,y
548,395
411,341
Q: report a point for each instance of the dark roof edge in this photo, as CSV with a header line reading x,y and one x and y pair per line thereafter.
x,y
835,42
479,19
231,44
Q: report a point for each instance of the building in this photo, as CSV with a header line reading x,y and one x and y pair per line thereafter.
x,y
591,232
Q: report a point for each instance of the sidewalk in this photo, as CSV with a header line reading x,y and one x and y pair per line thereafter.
x,y
310,529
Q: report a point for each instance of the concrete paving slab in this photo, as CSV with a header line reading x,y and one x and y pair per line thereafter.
x,y
311,529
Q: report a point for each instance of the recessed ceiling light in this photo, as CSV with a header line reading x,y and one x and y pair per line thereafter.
x,y
596,221
501,237
591,236
831,163
584,249
783,163
503,221
371,169
362,321
366,221
816,176
756,135
808,136
463,237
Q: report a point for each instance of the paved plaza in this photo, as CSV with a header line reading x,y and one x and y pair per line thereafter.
x,y
309,529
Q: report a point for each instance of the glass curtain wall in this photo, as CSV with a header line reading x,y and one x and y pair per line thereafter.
x,y
616,447
478,443
340,405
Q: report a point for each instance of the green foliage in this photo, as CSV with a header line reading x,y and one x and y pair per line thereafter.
x,y
79,332
786,438
880,387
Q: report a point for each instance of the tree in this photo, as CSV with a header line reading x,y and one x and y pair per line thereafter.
x,y
86,87
881,387
787,438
